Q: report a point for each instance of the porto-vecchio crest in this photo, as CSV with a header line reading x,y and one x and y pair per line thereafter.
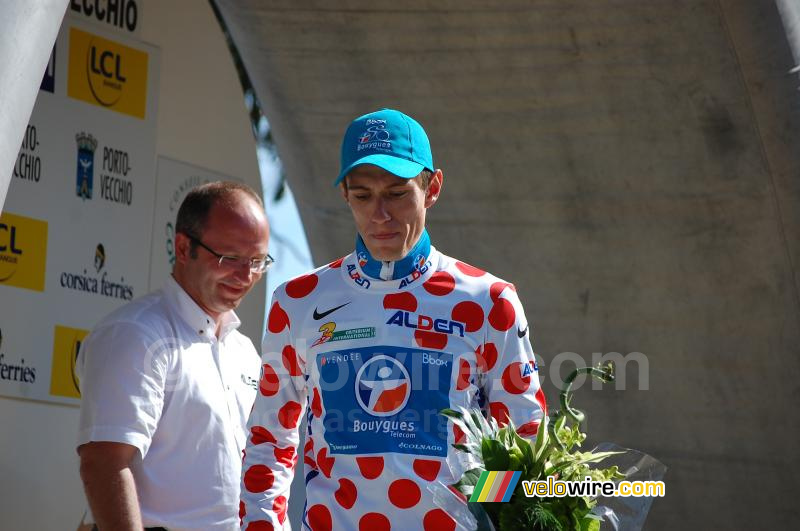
x,y
85,177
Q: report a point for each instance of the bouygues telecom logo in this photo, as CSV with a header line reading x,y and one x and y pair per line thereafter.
x,y
23,251
66,345
106,73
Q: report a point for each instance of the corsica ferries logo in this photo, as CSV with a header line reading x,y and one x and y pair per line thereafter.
x,y
13,371
106,73
85,179
23,251
97,284
66,345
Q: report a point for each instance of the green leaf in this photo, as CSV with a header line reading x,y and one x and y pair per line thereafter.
x,y
495,455
453,414
466,485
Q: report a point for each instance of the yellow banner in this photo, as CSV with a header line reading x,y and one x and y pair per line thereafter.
x,y
106,73
66,343
23,251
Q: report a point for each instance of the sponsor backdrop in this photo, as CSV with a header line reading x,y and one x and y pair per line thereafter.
x,y
76,226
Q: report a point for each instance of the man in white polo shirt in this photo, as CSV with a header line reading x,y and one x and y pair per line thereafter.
x,y
168,382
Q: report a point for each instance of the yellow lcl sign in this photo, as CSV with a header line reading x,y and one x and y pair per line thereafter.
x,y
107,74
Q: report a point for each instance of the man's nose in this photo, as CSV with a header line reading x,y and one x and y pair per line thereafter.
x,y
380,214
243,272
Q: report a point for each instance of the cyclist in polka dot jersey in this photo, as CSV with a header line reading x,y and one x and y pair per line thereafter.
x,y
371,347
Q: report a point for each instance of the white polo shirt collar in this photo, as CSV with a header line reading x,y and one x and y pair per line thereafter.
x,y
195,316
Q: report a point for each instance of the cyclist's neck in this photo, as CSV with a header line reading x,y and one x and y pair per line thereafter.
x,y
393,269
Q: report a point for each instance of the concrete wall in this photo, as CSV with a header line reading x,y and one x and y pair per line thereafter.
x,y
201,120
631,166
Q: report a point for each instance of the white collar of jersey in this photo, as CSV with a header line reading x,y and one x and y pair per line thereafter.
x,y
195,316
355,276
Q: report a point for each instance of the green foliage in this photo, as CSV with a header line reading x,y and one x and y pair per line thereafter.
x,y
555,452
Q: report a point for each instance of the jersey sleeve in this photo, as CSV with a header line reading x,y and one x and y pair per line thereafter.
x,y
510,380
270,454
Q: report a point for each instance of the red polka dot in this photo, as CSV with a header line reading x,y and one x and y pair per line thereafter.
x,y
427,339
259,525
400,301
261,435
499,411
542,401
269,381
528,429
285,456
325,463
309,447
258,478
440,284
463,375
370,467
316,404
486,356
469,313
497,288
279,506
513,381
427,469
319,518
469,270
242,511
290,360
289,414
404,493
438,520
458,434
336,264
502,315
278,320
310,462
346,494
302,286
374,522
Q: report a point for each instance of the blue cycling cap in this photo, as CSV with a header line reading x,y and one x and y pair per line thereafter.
x,y
388,139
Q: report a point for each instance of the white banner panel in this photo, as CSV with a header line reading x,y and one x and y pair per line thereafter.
x,y
76,226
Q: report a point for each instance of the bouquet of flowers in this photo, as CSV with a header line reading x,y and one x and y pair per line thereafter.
x,y
554,454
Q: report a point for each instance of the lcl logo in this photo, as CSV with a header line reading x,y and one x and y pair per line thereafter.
x,y
11,246
105,74
101,65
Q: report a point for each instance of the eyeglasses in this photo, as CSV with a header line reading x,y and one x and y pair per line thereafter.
x,y
256,265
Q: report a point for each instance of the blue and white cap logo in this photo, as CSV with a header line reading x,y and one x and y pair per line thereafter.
x,y
376,132
382,386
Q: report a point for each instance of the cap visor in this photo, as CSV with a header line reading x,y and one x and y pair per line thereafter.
x,y
401,167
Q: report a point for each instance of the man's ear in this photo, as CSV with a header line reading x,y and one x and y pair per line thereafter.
x,y
343,190
183,248
434,188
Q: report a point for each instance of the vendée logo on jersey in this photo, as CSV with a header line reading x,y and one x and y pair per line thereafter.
x,y
425,323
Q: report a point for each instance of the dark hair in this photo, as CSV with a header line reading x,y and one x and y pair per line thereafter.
x,y
424,180
193,213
